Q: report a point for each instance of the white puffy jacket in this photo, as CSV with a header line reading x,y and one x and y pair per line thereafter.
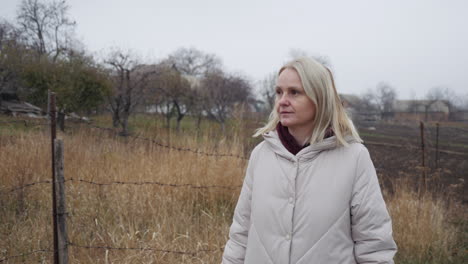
x,y
323,205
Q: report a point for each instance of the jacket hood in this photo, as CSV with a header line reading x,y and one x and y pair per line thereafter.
x,y
273,141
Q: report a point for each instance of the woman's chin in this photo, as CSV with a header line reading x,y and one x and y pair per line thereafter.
x,y
286,123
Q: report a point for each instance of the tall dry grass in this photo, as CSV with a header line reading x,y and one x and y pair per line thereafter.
x,y
428,227
158,217
178,219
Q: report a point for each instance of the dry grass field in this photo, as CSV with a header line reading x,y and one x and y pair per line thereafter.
x,y
154,223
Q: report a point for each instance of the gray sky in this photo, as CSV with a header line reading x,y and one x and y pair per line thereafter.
x,y
412,45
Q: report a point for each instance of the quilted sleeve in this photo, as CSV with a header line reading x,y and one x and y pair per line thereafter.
x,y
234,251
371,225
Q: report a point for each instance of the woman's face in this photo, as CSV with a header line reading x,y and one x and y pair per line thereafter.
x,y
295,109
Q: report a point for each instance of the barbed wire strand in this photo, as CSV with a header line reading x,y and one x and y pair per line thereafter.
x,y
13,122
24,122
179,252
413,147
26,186
71,244
196,151
458,128
27,254
187,185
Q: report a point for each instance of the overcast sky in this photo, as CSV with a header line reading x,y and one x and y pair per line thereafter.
x,y
413,45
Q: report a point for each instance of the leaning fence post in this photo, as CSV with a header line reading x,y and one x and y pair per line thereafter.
x,y
53,135
61,208
422,154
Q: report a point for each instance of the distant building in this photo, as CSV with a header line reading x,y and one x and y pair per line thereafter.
x,y
402,110
459,116
424,110
353,107
350,103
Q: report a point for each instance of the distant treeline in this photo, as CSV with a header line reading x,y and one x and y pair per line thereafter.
x,y
39,52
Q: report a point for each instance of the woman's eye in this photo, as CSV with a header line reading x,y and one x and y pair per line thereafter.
x,y
294,92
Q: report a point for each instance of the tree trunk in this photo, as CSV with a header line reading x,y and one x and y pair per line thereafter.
x,y
168,121
426,113
124,124
180,115
61,120
178,125
179,119
223,127
198,125
115,119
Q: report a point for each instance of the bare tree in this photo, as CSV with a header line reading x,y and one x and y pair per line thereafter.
x,y
267,91
193,65
199,100
130,79
172,93
9,36
444,94
11,59
193,62
46,26
183,100
224,92
437,94
464,102
385,96
297,53
379,101
368,102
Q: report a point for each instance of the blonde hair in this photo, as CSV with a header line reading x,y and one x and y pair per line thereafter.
x,y
319,86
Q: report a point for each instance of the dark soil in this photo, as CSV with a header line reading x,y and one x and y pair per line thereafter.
x,y
397,153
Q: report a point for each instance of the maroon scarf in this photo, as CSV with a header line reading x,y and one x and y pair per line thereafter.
x,y
290,143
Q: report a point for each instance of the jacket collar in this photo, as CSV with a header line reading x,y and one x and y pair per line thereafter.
x,y
310,152
288,140
290,143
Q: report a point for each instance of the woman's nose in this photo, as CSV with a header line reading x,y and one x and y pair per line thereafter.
x,y
283,100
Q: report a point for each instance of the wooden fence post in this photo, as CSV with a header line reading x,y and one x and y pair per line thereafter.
x,y
48,103
61,208
53,135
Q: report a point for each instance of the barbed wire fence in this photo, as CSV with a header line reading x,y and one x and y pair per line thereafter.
x,y
106,247
25,123
59,249
167,146
4,259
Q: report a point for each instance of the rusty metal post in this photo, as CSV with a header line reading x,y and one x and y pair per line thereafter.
x,y
437,146
53,135
422,154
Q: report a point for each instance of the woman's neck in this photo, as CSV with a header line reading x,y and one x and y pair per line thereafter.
x,y
301,135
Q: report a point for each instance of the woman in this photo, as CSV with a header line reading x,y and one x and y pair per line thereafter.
x,y
311,194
